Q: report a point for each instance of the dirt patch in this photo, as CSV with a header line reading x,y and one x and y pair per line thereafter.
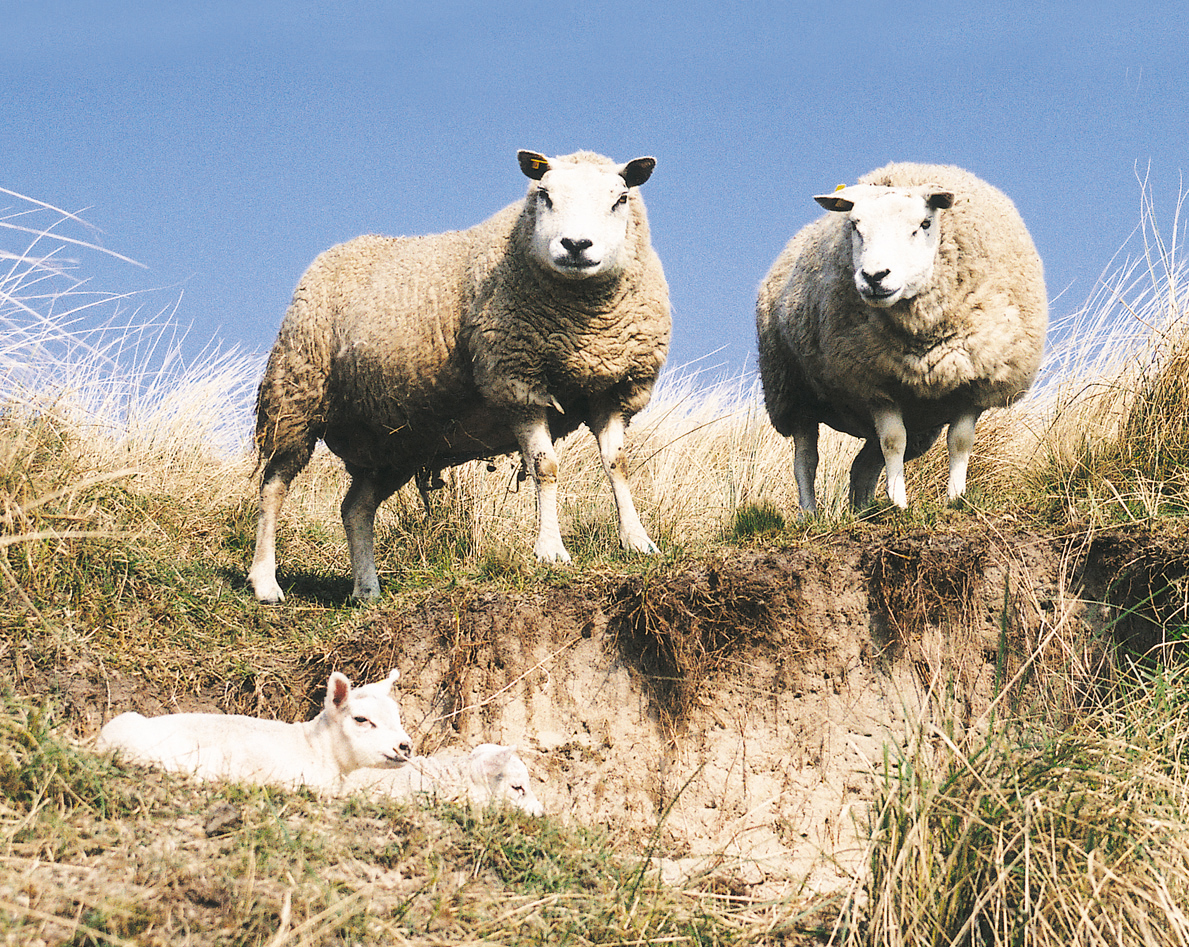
x,y
742,703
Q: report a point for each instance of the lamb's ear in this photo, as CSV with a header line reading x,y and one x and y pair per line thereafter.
x,y
392,677
940,200
637,171
338,689
834,202
532,164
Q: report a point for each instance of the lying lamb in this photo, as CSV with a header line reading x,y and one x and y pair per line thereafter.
x,y
409,355
918,302
489,775
357,727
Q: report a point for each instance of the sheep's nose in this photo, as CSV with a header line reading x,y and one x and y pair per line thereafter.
x,y
874,279
406,750
575,247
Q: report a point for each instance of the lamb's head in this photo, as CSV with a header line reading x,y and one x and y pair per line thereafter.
x,y
505,776
894,234
581,213
366,723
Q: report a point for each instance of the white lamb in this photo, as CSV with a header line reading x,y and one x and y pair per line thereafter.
x,y
413,354
357,727
489,775
919,302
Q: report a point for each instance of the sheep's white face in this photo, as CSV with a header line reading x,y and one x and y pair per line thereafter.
x,y
369,720
893,236
506,776
582,216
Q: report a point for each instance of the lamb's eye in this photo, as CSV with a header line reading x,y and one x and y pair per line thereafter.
x,y
361,720
545,198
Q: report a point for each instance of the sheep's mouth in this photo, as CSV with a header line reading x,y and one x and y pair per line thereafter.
x,y
575,266
396,758
880,297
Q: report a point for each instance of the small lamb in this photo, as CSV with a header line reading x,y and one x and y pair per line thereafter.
x,y
490,775
357,727
918,302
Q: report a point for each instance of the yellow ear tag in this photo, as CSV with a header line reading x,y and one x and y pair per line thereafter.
x,y
841,187
537,162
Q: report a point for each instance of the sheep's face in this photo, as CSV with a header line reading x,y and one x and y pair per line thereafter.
x,y
506,777
582,217
893,233
368,719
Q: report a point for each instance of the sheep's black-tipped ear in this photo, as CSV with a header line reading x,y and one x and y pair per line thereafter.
x,y
637,171
940,200
338,689
532,164
834,202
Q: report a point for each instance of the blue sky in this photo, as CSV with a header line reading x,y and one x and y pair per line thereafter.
x,y
224,145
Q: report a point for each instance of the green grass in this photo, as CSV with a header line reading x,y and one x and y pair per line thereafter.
x,y
127,518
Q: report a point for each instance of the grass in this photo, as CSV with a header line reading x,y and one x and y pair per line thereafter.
x,y
127,519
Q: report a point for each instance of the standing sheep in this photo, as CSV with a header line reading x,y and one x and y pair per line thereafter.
x,y
918,302
409,355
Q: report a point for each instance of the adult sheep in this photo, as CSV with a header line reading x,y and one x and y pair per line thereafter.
x,y
409,355
917,302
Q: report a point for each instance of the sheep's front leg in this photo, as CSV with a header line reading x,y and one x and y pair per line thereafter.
x,y
960,442
369,488
536,447
262,575
608,431
893,439
805,463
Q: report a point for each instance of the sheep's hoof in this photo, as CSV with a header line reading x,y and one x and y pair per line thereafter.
x,y
268,593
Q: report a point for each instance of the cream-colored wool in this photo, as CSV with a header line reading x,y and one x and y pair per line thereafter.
x,y
413,354
972,339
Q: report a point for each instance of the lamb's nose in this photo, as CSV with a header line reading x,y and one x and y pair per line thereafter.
x,y
406,750
575,247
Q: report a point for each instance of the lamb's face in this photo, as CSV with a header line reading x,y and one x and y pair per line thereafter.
x,y
368,718
893,235
506,777
581,214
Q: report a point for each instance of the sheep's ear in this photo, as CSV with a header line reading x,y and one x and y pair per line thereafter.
x,y
637,171
532,164
834,202
338,689
940,200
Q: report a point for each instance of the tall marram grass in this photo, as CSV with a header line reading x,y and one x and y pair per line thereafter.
x,y
1040,838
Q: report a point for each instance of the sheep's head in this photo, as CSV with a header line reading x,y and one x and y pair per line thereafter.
x,y
894,234
505,776
581,212
367,719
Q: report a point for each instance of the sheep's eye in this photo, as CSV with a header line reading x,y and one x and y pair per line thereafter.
x,y
623,199
362,720
545,198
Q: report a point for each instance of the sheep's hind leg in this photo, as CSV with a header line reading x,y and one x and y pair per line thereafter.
x,y
960,442
609,433
369,488
864,475
805,459
536,446
274,487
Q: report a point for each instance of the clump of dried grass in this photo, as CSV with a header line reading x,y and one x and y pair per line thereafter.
x,y
1046,838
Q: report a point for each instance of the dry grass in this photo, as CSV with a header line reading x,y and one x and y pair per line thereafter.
x,y
126,521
